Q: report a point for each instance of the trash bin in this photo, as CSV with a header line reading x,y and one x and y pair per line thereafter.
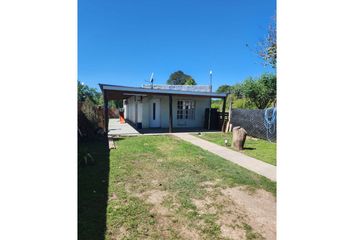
x,y
121,117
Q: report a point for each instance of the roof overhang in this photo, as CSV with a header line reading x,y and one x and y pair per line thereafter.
x,y
117,92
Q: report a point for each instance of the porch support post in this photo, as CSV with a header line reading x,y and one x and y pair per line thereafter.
x,y
105,100
170,114
209,114
223,114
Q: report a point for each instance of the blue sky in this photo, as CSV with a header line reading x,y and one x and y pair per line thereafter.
x,y
122,42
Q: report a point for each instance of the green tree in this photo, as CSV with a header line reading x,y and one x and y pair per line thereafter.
x,y
237,90
224,89
180,78
85,92
261,91
115,103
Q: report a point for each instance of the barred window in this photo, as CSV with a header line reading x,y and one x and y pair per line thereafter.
x,y
185,109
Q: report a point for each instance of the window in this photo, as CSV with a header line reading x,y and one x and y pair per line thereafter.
x,y
153,111
185,109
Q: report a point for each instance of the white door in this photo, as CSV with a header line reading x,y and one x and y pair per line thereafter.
x,y
155,113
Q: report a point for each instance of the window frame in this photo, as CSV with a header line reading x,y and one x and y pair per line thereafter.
x,y
185,109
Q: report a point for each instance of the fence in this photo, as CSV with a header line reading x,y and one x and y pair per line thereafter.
x,y
253,121
90,117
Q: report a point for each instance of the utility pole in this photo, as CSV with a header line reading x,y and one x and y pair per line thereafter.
x,y
210,84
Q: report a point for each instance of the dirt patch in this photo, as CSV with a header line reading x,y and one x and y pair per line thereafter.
x,y
165,217
122,232
231,218
232,232
210,186
188,233
205,205
259,208
242,212
155,196
113,197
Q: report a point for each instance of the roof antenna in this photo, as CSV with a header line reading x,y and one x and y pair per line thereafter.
x,y
152,80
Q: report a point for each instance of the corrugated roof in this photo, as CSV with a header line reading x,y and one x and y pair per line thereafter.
x,y
159,91
188,88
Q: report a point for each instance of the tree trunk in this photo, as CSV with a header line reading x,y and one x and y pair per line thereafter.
x,y
238,137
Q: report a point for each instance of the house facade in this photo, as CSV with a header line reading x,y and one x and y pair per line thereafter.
x,y
163,106
152,111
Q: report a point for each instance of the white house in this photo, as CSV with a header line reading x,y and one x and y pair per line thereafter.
x,y
163,106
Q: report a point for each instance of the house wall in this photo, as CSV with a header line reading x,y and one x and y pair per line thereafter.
x,y
134,109
130,109
201,103
145,112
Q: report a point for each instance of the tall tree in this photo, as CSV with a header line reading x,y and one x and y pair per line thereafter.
x,y
84,92
237,90
180,78
261,91
224,89
267,48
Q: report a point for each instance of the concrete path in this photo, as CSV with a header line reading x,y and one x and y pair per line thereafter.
x,y
115,128
262,168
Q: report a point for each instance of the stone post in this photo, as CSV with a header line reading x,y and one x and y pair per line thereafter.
x,y
238,137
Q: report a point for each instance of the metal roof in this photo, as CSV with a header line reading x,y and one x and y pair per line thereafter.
x,y
159,91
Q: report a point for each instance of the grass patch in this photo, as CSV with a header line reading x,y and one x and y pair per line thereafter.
x,y
147,189
256,148
251,234
92,190
143,167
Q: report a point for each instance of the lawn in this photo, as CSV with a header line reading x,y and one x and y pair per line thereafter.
x,y
256,148
92,190
160,187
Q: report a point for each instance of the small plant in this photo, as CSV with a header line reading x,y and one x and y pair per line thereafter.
x,y
85,157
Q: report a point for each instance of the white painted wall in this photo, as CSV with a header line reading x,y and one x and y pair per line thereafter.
x,y
139,111
134,109
201,103
125,106
144,110
198,122
131,108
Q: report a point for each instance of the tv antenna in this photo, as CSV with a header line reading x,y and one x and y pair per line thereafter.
x,y
151,80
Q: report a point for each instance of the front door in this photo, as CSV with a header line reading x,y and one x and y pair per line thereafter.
x,y
155,113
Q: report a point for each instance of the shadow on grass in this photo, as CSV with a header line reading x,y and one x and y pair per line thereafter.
x,y
92,189
245,148
249,148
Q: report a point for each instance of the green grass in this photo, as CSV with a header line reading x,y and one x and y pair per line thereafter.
x,y
257,148
179,168
92,190
144,164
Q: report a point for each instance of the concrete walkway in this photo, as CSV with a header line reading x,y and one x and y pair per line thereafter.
x,y
262,168
115,128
